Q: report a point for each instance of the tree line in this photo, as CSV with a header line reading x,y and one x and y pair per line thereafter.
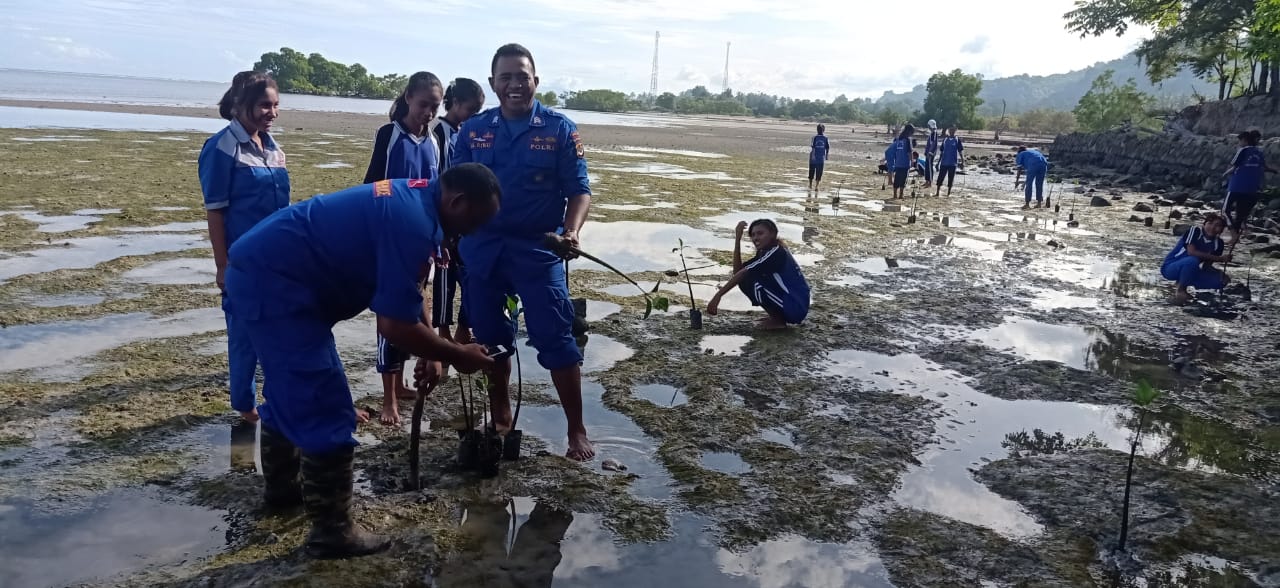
x,y
297,73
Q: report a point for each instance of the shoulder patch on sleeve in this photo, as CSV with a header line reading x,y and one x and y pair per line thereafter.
x,y
419,183
577,145
382,188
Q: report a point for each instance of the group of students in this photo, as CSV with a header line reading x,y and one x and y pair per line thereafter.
x,y
1190,262
504,178
900,158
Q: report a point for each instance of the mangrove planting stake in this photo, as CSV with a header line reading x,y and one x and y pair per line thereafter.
x,y
415,436
695,315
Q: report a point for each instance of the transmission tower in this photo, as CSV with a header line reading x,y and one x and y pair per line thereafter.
x,y
653,77
725,85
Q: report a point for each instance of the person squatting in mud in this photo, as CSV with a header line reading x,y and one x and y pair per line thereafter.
x,y
1247,175
303,269
1190,262
538,158
771,280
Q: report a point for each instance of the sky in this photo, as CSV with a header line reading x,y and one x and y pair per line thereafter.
x,y
811,49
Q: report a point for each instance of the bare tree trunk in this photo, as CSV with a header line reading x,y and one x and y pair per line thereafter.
x,y
1262,79
1275,78
1222,87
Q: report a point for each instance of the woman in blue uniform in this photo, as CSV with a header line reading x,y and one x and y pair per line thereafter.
x,y
901,161
771,280
952,153
1190,263
404,149
244,180
1247,175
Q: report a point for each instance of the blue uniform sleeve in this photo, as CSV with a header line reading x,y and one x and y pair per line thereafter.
x,y
769,262
461,152
572,164
215,168
403,247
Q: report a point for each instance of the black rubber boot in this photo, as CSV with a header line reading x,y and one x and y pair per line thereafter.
x,y
326,492
280,465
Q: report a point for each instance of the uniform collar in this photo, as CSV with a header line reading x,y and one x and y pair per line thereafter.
x,y
412,137
537,116
242,136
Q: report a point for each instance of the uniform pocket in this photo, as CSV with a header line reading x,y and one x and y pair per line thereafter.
x,y
540,170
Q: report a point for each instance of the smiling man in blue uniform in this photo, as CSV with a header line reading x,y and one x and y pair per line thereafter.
x,y
304,269
538,158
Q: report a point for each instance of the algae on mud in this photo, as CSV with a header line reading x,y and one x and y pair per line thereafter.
x,y
824,457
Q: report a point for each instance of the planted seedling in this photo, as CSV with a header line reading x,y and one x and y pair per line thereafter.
x,y
511,441
415,438
1143,396
695,315
563,247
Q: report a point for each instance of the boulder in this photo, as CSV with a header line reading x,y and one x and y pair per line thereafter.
x,y
1181,229
1133,218
1147,186
1098,201
1117,198
1166,203
1113,193
1175,214
1143,207
1082,190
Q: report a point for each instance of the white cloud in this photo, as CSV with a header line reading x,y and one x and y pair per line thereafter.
x,y
66,48
977,44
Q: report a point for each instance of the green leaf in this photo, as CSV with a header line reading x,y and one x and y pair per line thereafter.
x,y
648,307
1145,394
662,303
513,305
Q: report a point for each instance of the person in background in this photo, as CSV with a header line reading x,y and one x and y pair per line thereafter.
x,y
1247,176
244,179
1036,166
308,267
771,280
930,150
404,149
463,99
901,160
1190,262
952,155
919,164
819,151
539,159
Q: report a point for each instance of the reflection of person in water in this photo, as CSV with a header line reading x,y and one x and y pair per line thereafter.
x,y
532,559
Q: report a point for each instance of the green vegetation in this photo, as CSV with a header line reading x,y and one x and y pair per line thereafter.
x,y
548,98
1107,105
1234,44
953,99
302,74
600,101
1043,121
1143,395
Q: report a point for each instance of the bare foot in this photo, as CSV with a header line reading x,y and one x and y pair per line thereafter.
x,y
580,448
501,411
1181,298
770,324
390,412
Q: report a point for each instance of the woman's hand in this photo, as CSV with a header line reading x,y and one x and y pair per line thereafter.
x,y
713,306
740,229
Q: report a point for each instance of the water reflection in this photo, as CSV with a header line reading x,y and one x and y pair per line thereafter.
x,y
504,548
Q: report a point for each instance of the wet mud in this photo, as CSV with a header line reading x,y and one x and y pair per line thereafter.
x,y
955,410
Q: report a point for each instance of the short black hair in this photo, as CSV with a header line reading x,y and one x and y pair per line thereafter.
x,y
907,131
512,50
477,184
766,223
822,128
464,90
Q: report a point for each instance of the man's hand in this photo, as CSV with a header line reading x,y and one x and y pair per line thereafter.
x,y
713,306
473,358
426,373
251,416
572,238
740,229
1225,258
221,278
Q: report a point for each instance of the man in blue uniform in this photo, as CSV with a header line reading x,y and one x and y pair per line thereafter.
x,y
325,260
1036,166
819,149
538,158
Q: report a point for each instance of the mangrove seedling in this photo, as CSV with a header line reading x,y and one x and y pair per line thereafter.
x,y
512,439
564,248
1143,396
695,315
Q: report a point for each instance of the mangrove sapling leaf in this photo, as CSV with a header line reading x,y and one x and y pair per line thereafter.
x,y
662,303
1143,395
648,307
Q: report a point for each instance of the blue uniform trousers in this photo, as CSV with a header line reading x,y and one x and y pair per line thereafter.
x,y
1035,176
1186,271
537,276
242,361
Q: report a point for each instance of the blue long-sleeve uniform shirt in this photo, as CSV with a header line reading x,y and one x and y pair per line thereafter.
x,y
335,255
540,164
398,153
931,144
819,148
243,181
1032,160
952,148
902,154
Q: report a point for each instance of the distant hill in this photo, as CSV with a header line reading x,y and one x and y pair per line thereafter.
x,y
1062,91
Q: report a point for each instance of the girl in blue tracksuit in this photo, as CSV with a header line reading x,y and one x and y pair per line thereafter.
x,y
1190,262
952,153
771,280
901,161
1247,173
244,180
405,149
